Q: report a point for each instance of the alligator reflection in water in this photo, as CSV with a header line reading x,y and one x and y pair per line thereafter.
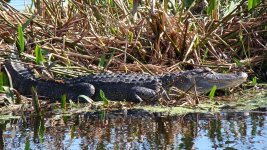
x,y
194,131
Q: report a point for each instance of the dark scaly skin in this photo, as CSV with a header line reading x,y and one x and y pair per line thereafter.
x,y
116,87
130,87
23,79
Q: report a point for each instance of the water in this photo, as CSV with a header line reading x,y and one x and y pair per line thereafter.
x,y
194,131
229,131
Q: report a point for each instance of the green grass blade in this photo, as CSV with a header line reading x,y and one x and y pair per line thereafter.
x,y
113,30
72,131
252,4
102,115
254,81
41,131
212,7
28,22
38,55
130,36
3,81
10,97
35,101
131,3
205,55
21,38
212,92
27,144
166,5
103,98
102,61
256,2
64,101
238,62
109,58
105,60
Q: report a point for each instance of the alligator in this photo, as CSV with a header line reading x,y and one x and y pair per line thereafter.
x,y
132,87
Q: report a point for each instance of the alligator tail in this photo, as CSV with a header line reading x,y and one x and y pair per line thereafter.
x,y
23,80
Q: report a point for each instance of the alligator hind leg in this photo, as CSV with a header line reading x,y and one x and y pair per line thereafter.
x,y
143,94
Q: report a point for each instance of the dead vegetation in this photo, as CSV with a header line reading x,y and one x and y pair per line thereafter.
x,y
94,36
84,33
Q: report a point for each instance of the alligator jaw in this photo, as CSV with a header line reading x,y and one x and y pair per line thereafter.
x,y
205,82
202,80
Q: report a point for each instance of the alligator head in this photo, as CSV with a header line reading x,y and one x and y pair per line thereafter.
x,y
202,80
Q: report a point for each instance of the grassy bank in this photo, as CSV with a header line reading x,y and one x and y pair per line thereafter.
x,y
127,36
81,37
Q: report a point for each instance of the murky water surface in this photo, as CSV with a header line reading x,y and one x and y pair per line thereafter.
x,y
137,131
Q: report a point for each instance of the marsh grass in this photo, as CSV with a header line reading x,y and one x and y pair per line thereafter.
x,y
104,99
38,55
35,102
41,130
64,101
84,32
21,38
94,36
254,81
212,93
6,87
27,144
3,81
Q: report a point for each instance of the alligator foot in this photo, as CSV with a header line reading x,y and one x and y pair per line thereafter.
x,y
78,89
143,94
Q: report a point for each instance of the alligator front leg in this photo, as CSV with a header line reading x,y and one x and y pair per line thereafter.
x,y
140,94
78,89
